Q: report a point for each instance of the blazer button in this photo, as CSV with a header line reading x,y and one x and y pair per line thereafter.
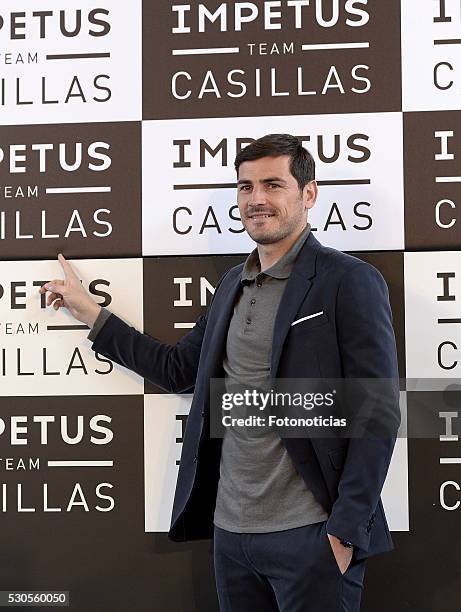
x,y
195,459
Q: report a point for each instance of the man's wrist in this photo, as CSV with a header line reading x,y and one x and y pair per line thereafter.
x,y
93,315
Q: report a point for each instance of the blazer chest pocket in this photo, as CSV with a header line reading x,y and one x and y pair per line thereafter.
x,y
309,322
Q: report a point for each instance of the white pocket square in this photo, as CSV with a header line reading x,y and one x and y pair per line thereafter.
x,y
311,316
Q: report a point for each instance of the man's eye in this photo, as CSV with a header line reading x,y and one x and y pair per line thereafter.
x,y
244,187
273,185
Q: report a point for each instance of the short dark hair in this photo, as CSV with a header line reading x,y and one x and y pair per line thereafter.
x,y
302,165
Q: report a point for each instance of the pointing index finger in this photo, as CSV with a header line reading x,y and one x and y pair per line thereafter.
x,y
65,266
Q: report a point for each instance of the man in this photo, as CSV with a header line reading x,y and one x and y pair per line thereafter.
x,y
293,519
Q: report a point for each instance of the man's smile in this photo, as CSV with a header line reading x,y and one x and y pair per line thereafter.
x,y
259,216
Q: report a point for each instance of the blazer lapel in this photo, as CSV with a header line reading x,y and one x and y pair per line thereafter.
x,y
222,312
296,289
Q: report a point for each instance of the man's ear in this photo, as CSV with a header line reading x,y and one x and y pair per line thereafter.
x,y
310,192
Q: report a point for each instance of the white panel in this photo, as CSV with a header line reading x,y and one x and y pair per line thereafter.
x,y
429,339
379,134
31,352
36,86
420,55
161,428
395,490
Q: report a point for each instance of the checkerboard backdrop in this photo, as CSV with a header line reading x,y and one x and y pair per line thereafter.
x,y
119,125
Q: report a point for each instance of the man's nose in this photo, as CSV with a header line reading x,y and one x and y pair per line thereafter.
x,y
259,195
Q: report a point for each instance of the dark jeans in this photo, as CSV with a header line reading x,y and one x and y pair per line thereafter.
x,y
287,571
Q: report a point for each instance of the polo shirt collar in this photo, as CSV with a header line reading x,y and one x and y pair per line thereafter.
x,y
281,268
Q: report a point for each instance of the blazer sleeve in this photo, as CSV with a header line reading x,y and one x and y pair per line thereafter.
x,y
171,367
368,350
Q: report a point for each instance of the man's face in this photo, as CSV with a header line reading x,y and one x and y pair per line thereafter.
x,y
270,202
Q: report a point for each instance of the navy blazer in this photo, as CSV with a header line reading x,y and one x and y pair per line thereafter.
x,y
354,338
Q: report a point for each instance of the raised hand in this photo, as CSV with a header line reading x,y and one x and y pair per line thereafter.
x,y
69,293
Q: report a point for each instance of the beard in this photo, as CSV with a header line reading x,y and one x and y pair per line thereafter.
x,y
280,230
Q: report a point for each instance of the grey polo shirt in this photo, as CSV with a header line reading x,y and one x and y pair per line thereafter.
x,y
259,488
